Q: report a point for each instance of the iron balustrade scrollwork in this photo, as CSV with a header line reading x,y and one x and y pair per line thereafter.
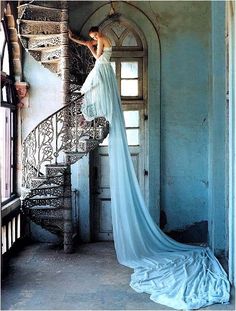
x,y
64,131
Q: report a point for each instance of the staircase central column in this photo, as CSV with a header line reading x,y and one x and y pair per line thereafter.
x,y
65,76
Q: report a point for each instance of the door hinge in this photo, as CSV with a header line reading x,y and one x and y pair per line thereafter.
x,y
145,117
6,119
145,172
6,187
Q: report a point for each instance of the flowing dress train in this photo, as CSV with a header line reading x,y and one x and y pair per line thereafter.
x,y
174,274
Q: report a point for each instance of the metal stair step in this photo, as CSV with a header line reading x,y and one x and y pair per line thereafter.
x,y
57,165
39,36
52,186
36,12
37,181
51,4
42,207
53,201
45,197
73,157
51,61
87,144
55,169
48,49
52,56
44,42
48,217
46,191
53,66
35,28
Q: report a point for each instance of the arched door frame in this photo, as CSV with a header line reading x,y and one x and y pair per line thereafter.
x,y
149,33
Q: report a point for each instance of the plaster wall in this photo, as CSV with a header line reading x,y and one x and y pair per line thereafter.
x,y
45,94
44,99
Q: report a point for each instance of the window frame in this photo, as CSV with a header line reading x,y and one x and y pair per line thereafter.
x,y
118,60
10,103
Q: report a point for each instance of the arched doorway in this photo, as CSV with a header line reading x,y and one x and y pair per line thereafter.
x,y
129,64
148,34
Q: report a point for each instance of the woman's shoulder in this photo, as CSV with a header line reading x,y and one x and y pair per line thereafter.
x,y
106,41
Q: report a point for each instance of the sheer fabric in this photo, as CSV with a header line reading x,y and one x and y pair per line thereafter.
x,y
174,274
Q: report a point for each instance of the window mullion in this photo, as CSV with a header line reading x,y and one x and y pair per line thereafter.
x,y
118,63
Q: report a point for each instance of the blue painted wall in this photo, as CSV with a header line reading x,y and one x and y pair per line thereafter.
x,y
185,40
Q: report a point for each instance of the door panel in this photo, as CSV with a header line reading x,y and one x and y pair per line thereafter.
x,y
102,221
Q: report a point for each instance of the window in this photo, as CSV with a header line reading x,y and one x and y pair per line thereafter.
x,y
7,121
128,57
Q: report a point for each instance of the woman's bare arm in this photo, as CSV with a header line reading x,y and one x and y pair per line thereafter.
x,y
81,42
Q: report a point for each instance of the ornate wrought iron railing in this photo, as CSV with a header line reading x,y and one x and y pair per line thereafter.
x,y
65,131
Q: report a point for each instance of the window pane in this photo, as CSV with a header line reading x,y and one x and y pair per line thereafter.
x,y
129,69
4,94
12,119
5,65
2,37
131,118
118,28
9,235
113,65
129,40
133,136
13,230
5,155
4,239
129,87
18,226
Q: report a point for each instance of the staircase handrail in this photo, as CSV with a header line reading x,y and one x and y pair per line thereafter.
x,y
63,130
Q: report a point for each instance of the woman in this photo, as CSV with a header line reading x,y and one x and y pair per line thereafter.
x,y
174,274
101,80
99,39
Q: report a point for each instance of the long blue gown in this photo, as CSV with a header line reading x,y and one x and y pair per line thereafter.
x,y
176,275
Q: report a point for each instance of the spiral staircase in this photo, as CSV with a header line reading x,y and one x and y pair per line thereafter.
x,y
63,137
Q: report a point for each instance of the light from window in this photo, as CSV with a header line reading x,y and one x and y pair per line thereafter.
x,y
129,70
132,126
5,65
129,87
133,137
118,28
131,118
2,38
5,153
129,78
129,40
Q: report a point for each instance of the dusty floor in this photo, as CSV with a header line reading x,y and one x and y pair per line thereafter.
x,y
42,277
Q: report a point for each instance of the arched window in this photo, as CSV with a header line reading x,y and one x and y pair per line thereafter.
x,y
129,62
7,119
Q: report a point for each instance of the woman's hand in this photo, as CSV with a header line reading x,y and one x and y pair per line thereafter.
x,y
70,34
76,39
